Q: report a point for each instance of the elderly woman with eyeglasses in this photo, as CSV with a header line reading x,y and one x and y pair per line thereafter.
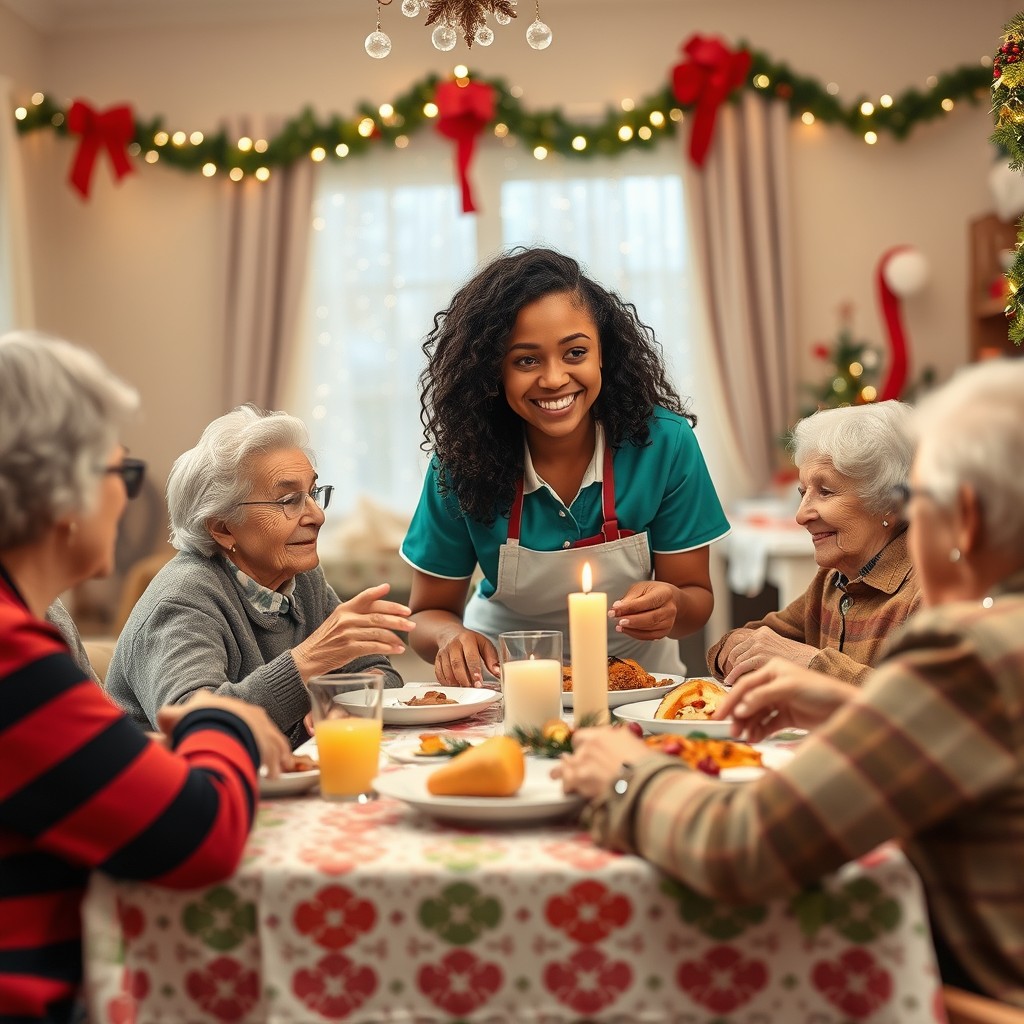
x,y
849,460
929,751
82,788
243,609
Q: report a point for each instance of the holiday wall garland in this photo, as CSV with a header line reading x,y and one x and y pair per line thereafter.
x,y
543,131
1008,112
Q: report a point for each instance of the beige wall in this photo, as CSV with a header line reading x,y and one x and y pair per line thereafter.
x,y
135,272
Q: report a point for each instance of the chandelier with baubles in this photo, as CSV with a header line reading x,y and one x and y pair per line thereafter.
x,y
450,18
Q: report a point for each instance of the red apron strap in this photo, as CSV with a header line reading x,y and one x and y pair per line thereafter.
x,y
610,529
515,516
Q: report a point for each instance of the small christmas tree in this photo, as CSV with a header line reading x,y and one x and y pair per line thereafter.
x,y
852,370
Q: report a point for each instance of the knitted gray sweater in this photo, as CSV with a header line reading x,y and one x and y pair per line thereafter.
x,y
194,629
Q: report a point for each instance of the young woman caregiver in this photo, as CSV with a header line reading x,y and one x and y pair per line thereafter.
x,y
556,440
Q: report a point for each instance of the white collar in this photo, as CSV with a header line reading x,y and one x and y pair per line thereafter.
x,y
594,474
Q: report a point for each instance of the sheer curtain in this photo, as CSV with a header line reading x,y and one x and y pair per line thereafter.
x,y
16,304
740,210
267,236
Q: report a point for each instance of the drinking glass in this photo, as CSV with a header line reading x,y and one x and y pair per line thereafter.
x,y
531,678
348,713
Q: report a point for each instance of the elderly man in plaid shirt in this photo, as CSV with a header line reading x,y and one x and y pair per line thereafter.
x,y
930,751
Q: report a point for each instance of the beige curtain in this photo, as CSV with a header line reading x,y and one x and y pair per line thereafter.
x,y
739,210
16,301
267,234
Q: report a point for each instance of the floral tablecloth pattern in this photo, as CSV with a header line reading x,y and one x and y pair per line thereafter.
x,y
371,913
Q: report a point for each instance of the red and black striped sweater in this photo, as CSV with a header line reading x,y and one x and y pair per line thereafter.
x,y
82,788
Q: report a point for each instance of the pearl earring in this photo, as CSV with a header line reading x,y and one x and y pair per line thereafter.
x,y
954,555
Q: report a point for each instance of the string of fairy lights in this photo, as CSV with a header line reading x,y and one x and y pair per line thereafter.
x,y
627,126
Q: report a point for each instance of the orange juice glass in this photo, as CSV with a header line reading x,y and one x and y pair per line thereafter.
x,y
347,722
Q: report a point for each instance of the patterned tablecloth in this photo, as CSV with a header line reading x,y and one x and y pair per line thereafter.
x,y
372,913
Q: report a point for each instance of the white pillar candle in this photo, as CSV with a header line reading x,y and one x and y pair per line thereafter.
x,y
532,692
588,642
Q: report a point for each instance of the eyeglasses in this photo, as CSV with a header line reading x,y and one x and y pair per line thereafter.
x,y
293,504
132,472
901,494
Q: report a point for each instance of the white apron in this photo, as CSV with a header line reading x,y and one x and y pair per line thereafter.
x,y
533,587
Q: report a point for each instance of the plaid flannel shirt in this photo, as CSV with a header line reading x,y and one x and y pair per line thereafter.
x,y
929,752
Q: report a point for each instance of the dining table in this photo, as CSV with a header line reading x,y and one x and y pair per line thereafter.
x,y
379,913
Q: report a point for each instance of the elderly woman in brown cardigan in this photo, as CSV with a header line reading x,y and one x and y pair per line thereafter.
x,y
849,460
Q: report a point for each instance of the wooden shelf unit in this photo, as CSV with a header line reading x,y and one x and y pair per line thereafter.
x,y
989,238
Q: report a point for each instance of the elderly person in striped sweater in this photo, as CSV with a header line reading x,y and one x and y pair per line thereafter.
x,y
929,751
81,786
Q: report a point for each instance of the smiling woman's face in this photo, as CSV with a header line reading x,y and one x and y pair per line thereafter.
x,y
552,368
270,547
845,533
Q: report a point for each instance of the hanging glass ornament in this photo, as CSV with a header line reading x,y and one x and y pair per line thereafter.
x,y
411,8
378,45
538,35
444,37
502,18
484,35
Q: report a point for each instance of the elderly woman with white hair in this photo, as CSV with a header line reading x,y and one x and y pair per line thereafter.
x,y
81,786
243,609
849,461
929,751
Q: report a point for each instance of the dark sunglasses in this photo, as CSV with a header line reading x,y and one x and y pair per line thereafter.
x,y
132,472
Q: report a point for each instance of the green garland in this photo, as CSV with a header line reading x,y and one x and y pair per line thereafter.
x,y
1008,113
651,118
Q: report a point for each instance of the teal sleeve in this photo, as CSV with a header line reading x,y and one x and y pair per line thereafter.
x,y
690,514
438,541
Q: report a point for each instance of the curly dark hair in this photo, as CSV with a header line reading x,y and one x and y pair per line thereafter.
x,y
472,431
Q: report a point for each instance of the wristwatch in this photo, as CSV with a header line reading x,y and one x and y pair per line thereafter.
x,y
623,780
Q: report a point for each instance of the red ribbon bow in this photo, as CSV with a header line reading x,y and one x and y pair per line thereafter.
x,y
111,130
705,81
463,111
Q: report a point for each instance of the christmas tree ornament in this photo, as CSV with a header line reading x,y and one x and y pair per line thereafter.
x,y
452,17
377,44
538,35
444,37
468,15
851,371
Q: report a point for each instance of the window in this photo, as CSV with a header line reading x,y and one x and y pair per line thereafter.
x,y
390,247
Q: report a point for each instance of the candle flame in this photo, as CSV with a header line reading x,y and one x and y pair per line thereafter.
x,y
588,580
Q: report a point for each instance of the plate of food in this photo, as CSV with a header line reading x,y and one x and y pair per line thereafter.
x,y
627,683
302,776
431,703
538,799
430,748
684,710
727,759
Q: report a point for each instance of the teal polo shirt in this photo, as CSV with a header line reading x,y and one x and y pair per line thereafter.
x,y
663,490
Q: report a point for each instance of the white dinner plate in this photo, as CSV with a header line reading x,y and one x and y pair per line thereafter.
x,y
468,701
404,751
771,757
616,698
289,783
643,712
540,798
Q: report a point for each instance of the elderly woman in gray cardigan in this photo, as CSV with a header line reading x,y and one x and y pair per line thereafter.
x,y
243,609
